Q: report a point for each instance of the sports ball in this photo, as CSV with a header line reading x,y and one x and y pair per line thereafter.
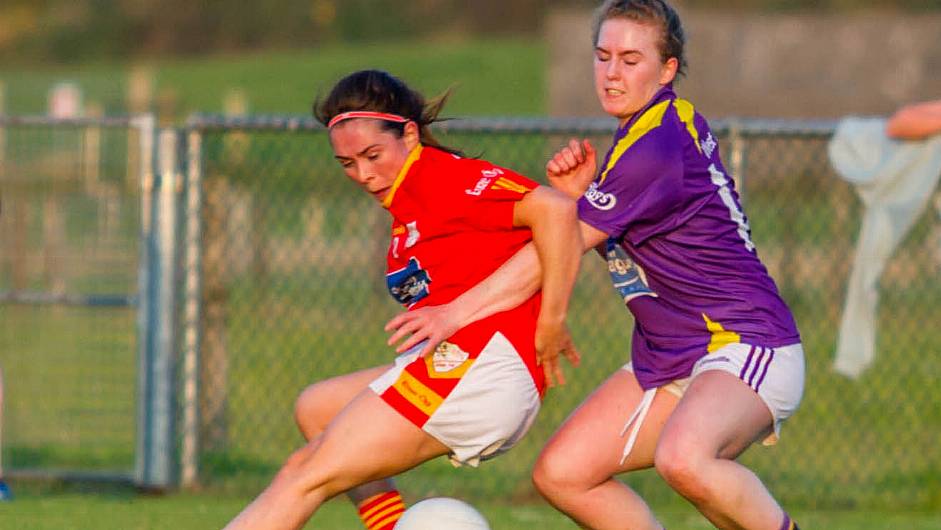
x,y
442,513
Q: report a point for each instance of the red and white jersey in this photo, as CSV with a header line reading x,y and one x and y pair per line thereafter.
x,y
452,227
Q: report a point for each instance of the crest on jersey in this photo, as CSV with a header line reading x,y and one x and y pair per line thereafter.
x,y
448,362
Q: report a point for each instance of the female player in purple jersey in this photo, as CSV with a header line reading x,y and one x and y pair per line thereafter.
x,y
716,360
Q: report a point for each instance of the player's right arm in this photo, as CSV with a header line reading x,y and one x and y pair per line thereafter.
x,y
510,285
553,219
571,171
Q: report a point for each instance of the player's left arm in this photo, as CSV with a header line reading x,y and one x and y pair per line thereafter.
x,y
553,219
915,121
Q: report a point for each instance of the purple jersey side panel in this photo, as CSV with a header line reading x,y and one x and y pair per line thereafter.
x,y
681,254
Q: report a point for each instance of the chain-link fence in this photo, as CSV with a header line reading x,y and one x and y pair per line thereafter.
x,y
70,242
279,282
292,293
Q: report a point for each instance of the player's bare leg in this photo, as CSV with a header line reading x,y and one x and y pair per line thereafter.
x,y
366,441
576,469
320,402
717,419
316,407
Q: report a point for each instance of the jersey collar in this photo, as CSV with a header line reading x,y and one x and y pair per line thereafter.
x,y
412,157
665,92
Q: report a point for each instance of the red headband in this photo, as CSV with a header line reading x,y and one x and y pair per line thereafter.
x,y
366,114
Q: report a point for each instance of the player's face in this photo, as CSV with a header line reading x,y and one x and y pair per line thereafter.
x,y
370,155
628,67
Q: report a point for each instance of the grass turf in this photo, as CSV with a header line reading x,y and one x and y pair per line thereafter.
x,y
491,77
87,511
70,372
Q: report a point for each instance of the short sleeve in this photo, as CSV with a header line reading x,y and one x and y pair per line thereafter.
x,y
637,195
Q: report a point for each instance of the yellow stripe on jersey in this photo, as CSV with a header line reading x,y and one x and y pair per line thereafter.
x,y
412,157
686,113
720,336
399,230
649,121
416,393
504,183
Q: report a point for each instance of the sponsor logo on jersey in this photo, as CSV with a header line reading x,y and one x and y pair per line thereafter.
x,y
409,284
417,393
487,176
491,179
598,199
479,187
627,277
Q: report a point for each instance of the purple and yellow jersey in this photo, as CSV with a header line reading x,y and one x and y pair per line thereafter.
x,y
680,252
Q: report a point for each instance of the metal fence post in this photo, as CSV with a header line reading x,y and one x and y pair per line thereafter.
x,y
164,361
144,125
192,294
156,437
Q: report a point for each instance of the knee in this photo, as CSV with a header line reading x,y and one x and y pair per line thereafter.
x,y
680,463
554,474
307,413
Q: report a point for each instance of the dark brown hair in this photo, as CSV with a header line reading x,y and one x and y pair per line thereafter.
x,y
380,91
657,12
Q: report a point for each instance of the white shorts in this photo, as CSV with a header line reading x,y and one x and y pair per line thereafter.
x,y
776,374
491,407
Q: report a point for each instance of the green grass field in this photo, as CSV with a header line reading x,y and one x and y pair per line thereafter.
x,y
492,77
199,512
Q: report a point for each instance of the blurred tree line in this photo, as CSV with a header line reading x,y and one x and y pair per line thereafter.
x,y
82,30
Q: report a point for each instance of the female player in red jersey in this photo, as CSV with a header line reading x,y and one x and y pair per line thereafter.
x,y
454,221
716,360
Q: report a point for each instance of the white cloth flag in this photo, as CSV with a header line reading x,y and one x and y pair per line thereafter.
x,y
895,180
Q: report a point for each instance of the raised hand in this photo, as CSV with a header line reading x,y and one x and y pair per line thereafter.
x,y
572,168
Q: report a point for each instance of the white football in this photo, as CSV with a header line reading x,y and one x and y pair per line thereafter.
x,y
442,513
